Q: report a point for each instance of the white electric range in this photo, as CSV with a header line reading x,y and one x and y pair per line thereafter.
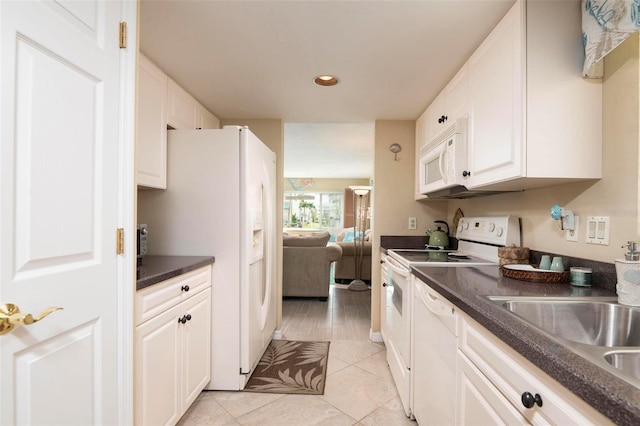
x,y
478,241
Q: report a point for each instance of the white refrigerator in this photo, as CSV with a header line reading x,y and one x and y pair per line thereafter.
x,y
220,201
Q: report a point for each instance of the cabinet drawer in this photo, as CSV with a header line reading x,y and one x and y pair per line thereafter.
x,y
479,402
153,300
514,375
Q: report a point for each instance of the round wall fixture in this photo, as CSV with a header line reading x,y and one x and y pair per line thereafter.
x,y
325,80
395,148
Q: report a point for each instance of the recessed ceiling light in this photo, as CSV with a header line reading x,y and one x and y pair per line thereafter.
x,y
325,80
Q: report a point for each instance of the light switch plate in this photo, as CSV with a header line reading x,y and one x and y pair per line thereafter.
x,y
412,222
598,230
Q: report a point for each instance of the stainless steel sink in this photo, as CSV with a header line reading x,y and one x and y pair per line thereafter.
x,y
628,362
599,323
598,328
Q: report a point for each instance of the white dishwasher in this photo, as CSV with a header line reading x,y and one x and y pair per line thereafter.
x,y
434,356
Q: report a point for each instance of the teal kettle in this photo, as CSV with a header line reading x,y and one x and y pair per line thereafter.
x,y
438,238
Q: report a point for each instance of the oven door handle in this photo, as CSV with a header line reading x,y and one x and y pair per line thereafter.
x,y
398,268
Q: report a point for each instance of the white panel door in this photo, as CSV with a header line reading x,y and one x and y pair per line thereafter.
x,y
60,136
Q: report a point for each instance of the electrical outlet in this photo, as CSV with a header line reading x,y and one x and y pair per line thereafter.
x,y
412,223
573,235
598,229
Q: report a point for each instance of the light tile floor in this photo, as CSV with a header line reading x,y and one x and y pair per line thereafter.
x,y
359,388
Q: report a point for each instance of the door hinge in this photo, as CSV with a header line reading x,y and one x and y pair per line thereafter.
x,y
120,241
123,35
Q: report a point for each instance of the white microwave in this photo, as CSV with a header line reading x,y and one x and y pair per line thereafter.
x,y
443,161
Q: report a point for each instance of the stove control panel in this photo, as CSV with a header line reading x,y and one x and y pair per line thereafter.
x,y
498,230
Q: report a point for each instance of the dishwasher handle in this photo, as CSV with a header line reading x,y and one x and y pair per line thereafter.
x,y
434,303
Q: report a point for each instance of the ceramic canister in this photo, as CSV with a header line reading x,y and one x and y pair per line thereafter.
x,y
580,276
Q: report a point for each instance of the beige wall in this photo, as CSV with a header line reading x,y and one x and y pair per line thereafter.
x,y
393,197
615,195
271,132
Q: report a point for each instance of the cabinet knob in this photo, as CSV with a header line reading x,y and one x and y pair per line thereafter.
x,y
384,284
466,173
528,400
382,261
184,319
185,288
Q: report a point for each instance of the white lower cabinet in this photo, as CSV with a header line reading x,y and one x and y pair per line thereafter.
x,y
493,380
479,401
172,347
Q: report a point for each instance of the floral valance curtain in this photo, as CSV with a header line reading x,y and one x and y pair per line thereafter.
x,y
606,24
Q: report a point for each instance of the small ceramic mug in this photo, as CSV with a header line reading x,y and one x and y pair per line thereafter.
x,y
557,265
545,262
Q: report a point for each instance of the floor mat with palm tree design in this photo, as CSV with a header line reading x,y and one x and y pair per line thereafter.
x,y
289,366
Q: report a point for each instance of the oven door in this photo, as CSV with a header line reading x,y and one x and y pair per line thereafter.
x,y
397,328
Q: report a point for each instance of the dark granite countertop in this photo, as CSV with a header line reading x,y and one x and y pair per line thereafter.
x,y
612,396
155,269
402,242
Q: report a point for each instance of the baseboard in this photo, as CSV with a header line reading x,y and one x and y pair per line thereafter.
x,y
277,335
375,337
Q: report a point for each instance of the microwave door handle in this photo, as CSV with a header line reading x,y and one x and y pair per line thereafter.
x,y
441,163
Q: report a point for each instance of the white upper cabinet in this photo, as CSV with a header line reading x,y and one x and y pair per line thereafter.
x,y
161,104
451,104
186,113
206,120
495,104
151,128
533,120
183,108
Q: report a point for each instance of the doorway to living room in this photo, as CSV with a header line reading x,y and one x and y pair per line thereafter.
x,y
321,162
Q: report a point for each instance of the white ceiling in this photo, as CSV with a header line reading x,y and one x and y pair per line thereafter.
x,y
257,59
335,150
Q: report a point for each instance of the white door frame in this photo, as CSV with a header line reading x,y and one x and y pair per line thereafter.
x,y
127,212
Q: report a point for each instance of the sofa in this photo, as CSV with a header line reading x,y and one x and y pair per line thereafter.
x,y
345,267
306,264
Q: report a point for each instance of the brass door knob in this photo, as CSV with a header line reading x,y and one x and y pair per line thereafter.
x,y
10,316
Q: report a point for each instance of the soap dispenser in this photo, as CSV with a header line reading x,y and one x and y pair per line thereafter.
x,y
628,276
633,253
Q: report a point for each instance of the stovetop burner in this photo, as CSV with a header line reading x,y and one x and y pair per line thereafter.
x,y
450,258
